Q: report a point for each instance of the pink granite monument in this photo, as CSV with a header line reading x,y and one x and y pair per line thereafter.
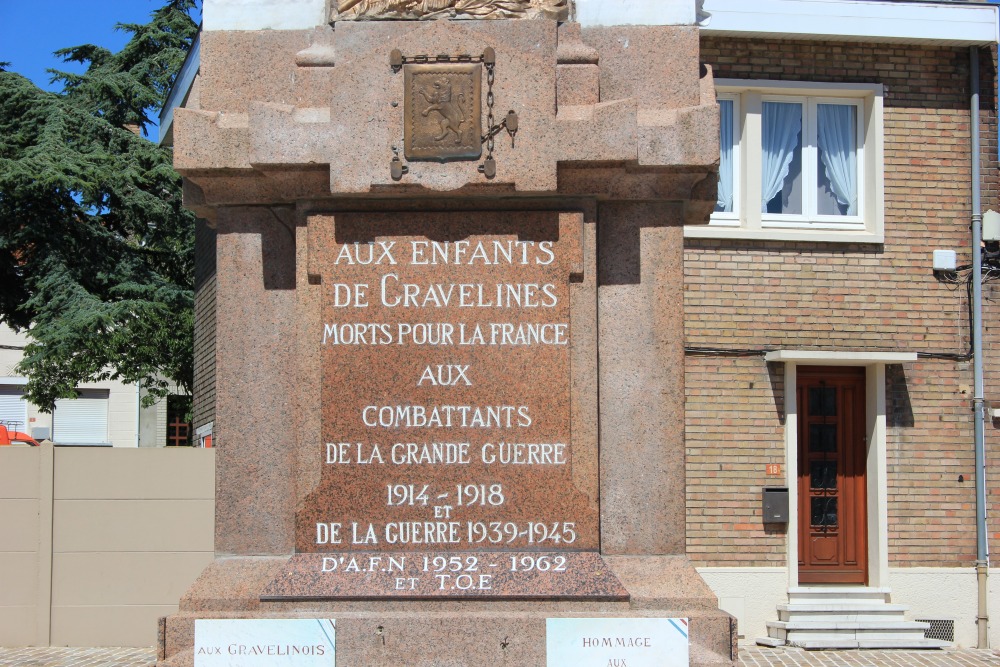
x,y
449,326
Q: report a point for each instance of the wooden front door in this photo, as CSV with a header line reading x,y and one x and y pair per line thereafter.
x,y
833,515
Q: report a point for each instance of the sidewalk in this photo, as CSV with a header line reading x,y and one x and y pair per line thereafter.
x,y
759,656
749,657
77,657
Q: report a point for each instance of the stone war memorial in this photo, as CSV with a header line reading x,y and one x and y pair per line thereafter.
x,y
449,354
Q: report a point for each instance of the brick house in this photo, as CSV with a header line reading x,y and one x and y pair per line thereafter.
x,y
824,353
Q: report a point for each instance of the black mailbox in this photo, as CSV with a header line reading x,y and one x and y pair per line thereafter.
x,y
776,504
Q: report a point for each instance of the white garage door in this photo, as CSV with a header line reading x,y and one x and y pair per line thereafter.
x,y
13,407
82,420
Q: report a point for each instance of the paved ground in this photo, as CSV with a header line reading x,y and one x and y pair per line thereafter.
x,y
749,657
76,657
778,657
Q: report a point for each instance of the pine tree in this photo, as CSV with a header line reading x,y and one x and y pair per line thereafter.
x,y
96,250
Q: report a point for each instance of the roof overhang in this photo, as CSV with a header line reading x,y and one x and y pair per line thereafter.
x,y
179,91
904,22
839,358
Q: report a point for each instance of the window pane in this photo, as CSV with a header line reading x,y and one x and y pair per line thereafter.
x,y
781,159
724,204
823,438
837,159
823,475
824,512
822,401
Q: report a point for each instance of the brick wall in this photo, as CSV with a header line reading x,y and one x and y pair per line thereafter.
x,y
734,428
761,295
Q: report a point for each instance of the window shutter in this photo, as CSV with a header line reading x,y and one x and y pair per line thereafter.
x,y
13,407
82,420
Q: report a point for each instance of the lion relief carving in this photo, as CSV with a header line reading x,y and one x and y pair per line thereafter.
x,y
439,100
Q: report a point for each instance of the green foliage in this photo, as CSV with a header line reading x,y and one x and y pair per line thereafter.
x,y
96,250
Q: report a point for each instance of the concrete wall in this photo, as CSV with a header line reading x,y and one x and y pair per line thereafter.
x,y
96,544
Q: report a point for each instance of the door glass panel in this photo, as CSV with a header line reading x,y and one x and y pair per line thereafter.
x,y
823,401
823,474
822,437
824,512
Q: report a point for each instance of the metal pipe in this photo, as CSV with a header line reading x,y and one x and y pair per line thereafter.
x,y
982,547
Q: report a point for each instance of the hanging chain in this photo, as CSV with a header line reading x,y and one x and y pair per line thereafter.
x,y
397,59
489,166
490,133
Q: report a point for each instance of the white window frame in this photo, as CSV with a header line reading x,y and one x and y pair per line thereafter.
x,y
748,222
732,219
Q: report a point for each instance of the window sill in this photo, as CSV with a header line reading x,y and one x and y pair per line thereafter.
x,y
782,234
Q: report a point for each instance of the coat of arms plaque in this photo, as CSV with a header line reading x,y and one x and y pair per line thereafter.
x,y
442,111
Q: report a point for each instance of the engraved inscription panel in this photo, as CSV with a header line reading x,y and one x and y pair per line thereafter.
x,y
447,457
442,111
617,642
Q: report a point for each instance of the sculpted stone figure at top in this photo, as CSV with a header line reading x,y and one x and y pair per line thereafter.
x,y
342,10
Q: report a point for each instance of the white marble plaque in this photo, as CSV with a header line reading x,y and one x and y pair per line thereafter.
x,y
264,642
617,642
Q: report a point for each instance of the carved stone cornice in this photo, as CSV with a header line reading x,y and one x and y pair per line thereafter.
x,y
366,10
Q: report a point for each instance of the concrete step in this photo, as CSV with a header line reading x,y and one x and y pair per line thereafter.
x,y
847,644
845,617
795,638
837,594
879,607
769,641
841,612
798,633
914,626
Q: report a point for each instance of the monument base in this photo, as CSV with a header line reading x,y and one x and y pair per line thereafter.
x,y
468,633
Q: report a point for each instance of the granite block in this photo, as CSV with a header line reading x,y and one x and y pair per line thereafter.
x,y
641,361
328,97
629,182
605,132
448,482
210,140
238,67
366,90
254,356
577,85
571,49
322,49
283,134
278,186
415,575
656,65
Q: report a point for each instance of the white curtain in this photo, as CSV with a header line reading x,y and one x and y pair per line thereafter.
x,y
724,201
836,141
781,127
